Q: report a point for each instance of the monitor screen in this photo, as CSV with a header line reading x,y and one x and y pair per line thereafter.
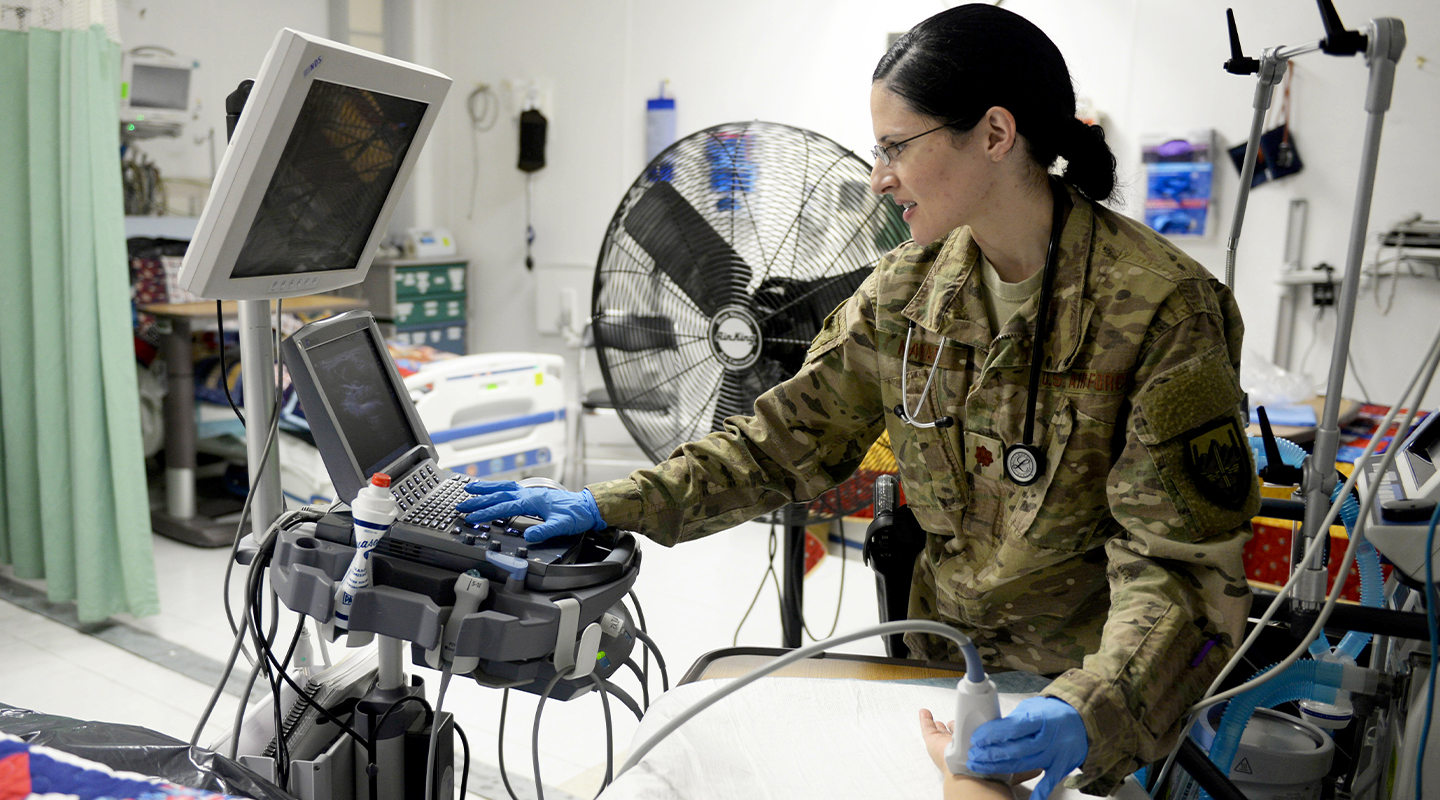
x,y
338,167
325,142
157,86
366,409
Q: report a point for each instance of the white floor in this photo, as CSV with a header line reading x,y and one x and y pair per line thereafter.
x,y
693,597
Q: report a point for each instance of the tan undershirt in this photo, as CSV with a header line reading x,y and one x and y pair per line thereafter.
x,y
1003,299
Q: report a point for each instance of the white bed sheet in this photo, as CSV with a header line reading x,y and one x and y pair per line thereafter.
x,y
788,738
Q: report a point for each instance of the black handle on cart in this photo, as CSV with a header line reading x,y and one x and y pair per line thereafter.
x,y
892,542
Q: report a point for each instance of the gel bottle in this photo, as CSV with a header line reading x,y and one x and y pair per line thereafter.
x,y
374,510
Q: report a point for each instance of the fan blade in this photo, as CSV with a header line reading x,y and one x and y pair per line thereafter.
x,y
687,248
734,397
792,312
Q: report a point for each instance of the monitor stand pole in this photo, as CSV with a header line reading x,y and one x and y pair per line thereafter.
x,y
258,367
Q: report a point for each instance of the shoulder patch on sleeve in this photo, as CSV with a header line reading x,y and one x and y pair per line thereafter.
x,y
1187,397
1217,458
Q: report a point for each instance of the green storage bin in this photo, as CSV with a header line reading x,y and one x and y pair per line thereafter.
x,y
429,310
446,336
429,280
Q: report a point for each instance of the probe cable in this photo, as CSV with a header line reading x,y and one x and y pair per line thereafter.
x,y
973,669
624,697
1210,698
271,439
659,659
330,716
235,649
435,731
644,654
500,752
644,689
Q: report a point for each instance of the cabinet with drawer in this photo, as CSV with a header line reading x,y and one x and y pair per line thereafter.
x,y
420,301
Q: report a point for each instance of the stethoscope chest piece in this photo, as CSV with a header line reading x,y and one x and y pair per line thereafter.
x,y
1023,464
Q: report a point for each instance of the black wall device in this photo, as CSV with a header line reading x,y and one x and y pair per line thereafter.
x,y
532,140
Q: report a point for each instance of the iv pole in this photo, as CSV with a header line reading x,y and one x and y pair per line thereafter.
x,y
1382,42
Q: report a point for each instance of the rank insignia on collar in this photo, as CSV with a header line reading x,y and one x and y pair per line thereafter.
x,y
1216,458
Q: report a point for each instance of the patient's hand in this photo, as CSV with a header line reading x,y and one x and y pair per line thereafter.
x,y
937,737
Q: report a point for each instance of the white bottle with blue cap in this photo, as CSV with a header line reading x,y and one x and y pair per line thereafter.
x,y
374,511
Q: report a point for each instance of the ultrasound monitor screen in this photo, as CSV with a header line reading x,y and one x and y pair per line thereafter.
x,y
363,400
331,182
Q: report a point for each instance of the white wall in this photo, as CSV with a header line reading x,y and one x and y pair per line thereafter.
x,y
229,40
1150,67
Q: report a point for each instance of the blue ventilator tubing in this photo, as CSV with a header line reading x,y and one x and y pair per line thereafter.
x,y
1320,681
1367,561
1304,680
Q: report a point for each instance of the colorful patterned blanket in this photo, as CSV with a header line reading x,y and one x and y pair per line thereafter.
x,y
33,772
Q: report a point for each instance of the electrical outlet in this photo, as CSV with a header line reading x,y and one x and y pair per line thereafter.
x,y
525,93
1323,294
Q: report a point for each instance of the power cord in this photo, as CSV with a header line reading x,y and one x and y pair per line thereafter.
x,y
840,593
224,369
482,119
465,745
772,547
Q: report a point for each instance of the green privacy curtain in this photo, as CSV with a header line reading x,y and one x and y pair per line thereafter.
x,y
73,504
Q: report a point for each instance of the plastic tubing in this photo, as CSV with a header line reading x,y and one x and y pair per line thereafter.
x,y
1291,453
1304,680
1372,589
1372,580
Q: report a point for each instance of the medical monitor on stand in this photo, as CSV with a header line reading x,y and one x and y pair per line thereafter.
x,y
314,169
319,156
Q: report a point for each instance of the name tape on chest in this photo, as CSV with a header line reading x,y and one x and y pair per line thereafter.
x,y
1087,381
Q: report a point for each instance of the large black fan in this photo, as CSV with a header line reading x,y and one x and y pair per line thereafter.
x,y
719,267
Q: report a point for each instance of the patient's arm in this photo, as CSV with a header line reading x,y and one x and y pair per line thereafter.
x,y
957,787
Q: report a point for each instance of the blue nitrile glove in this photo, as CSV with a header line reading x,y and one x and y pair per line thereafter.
x,y
564,512
1041,733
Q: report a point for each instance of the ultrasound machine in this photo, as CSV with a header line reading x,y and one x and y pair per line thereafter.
x,y
322,144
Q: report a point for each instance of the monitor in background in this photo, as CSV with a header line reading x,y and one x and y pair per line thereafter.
x,y
355,402
323,149
154,92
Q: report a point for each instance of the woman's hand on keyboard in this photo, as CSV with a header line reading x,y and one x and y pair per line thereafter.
x,y
565,513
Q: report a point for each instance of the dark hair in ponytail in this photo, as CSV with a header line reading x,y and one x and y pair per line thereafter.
x,y
958,64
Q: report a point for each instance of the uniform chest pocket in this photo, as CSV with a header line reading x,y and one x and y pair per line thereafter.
x,y
931,469
1057,511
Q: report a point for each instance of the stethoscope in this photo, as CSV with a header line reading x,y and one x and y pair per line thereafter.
x,y
1023,462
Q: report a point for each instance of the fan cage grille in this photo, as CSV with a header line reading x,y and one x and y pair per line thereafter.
x,y
718,269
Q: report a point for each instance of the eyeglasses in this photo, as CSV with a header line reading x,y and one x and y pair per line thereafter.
x,y
883,154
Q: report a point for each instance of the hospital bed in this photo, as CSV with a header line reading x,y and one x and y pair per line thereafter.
x,y
494,416
836,727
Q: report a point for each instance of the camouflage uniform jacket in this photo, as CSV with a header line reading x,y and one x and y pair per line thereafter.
x,y
1120,568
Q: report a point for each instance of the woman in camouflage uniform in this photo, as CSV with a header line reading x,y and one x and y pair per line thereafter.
x,y
1116,568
